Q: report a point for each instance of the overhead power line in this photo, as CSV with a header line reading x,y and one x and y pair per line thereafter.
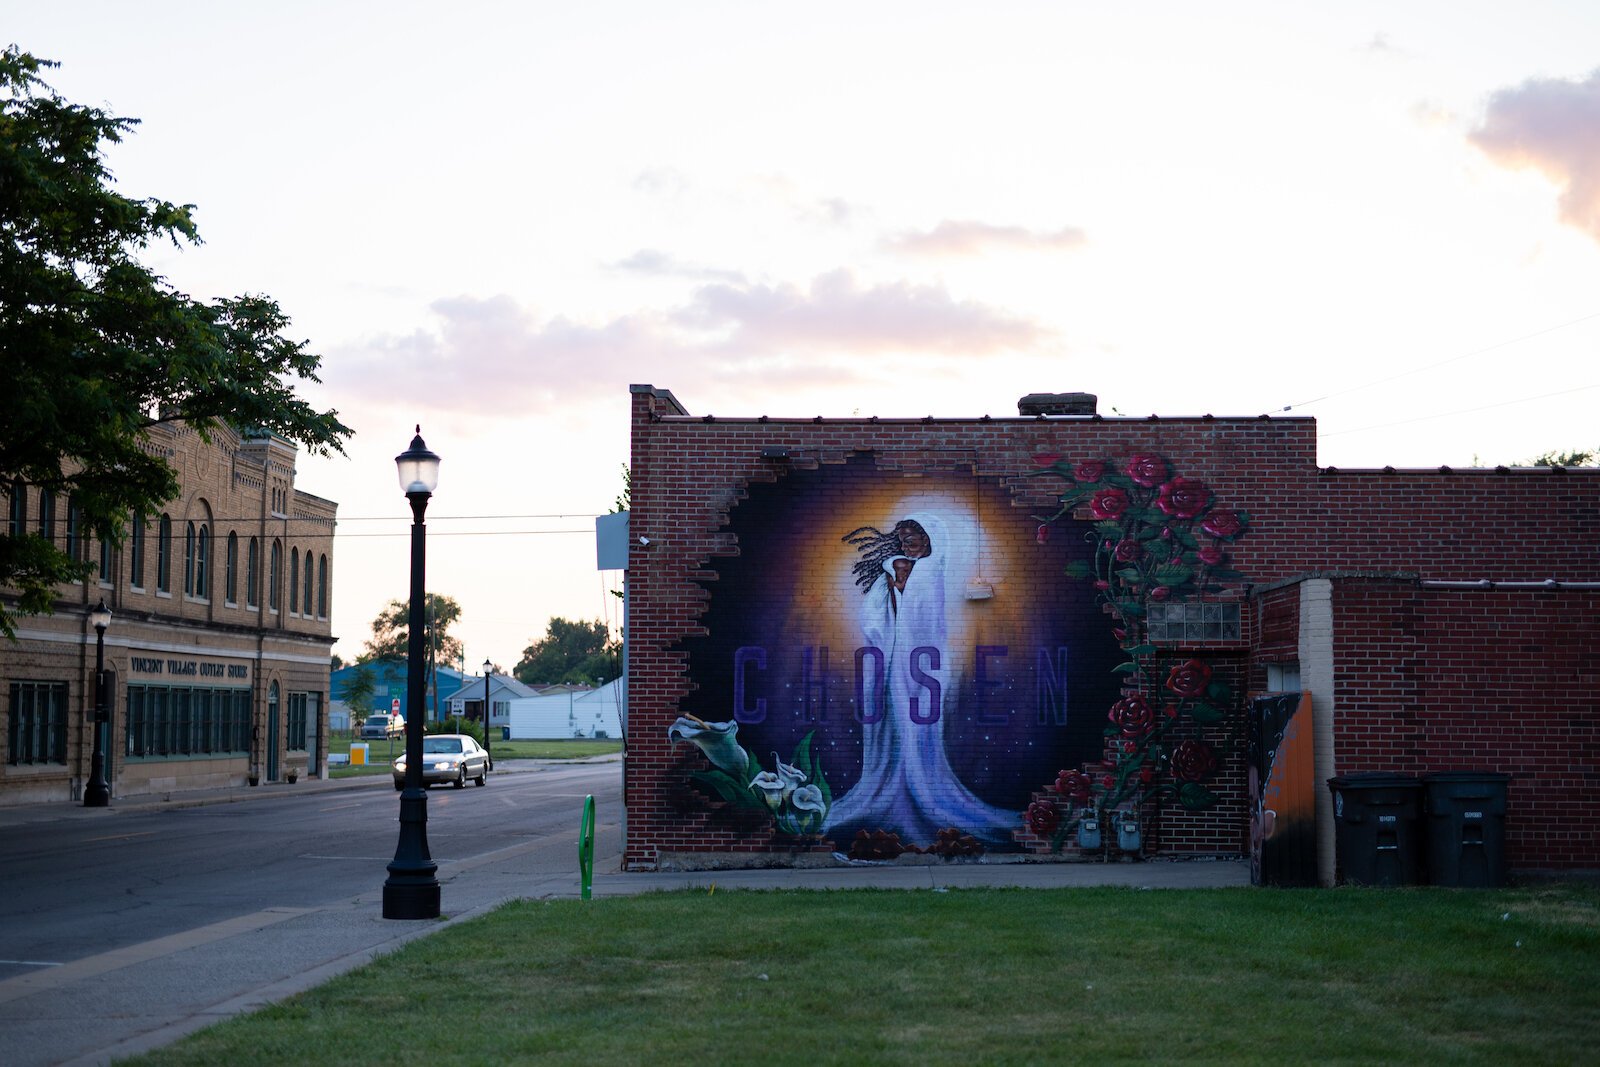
x,y
1462,411
1440,363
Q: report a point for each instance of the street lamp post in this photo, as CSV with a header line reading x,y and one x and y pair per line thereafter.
x,y
488,749
97,794
412,888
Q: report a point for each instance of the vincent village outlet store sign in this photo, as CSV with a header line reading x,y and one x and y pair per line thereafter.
x,y
189,668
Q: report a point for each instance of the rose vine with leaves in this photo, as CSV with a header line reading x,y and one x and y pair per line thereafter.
x,y
1157,538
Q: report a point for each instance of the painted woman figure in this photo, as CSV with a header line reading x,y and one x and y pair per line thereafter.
x,y
906,784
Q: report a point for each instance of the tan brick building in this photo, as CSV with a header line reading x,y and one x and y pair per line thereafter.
x,y
218,650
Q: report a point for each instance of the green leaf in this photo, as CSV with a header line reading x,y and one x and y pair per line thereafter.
x,y
1077,569
1130,575
1148,533
1205,713
1129,608
1109,530
1196,797
1219,691
726,788
1142,650
1171,574
1185,538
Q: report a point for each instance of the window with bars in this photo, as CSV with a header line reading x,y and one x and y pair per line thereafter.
x,y
36,731
300,705
178,721
1193,622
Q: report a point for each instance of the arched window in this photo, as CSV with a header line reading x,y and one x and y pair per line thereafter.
x,y
252,575
136,553
47,515
294,581
19,508
275,577
188,559
305,599
322,587
107,551
202,562
164,555
230,573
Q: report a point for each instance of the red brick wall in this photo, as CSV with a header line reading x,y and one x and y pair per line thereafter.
x,y
1446,680
689,472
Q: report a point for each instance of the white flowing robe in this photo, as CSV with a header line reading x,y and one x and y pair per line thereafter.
x,y
907,785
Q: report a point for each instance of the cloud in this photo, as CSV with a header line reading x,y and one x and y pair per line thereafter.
x,y
1551,126
954,237
492,352
650,261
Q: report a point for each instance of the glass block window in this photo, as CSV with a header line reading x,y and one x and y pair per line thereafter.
x,y
1193,622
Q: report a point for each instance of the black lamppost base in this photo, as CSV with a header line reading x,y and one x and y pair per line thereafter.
x,y
410,900
97,794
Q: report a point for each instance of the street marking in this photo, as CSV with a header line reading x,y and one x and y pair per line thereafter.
x,y
25,985
29,963
119,837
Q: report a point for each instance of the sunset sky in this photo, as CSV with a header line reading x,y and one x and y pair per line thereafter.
x,y
491,219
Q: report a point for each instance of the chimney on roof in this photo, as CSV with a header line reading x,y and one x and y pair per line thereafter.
x,y
1057,404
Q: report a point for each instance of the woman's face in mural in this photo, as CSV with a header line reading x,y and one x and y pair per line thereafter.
x,y
914,540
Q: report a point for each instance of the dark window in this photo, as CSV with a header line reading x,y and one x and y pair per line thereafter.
x,y
1193,622
322,588
275,576
19,508
294,580
136,553
176,721
202,562
37,728
47,515
164,555
231,571
107,550
74,544
252,574
188,559
305,598
298,703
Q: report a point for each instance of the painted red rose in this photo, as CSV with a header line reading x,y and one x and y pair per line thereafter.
x,y
1224,524
1146,470
1074,785
1132,715
1046,459
1043,818
1147,774
1192,761
1170,710
1184,498
1042,534
1211,555
1128,551
1161,592
1108,504
1091,471
1107,781
1189,679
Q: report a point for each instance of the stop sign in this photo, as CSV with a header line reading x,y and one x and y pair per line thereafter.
x,y
394,706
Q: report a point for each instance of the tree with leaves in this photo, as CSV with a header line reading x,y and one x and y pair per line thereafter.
x,y
391,631
95,348
359,689
1562,458
580,653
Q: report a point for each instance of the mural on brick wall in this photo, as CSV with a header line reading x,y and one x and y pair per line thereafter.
x,y
894,662
1158,539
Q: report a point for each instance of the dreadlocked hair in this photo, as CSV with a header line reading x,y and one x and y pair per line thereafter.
x,y
876,548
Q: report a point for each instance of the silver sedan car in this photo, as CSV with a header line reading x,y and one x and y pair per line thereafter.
x,y
447,758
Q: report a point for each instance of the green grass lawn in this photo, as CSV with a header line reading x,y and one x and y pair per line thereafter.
x,y
380,756
966,977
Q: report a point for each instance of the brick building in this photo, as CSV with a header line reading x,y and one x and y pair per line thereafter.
x,y
219,648
956,634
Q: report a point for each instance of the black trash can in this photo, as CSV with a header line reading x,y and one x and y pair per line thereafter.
x,y
1378,828
1466,817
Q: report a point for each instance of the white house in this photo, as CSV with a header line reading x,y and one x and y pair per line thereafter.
x,y
503,692
575,713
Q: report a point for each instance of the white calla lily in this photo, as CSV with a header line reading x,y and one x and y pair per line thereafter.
x,y
718,740
771,788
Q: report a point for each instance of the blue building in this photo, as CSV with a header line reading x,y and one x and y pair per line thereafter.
x,y
389,685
